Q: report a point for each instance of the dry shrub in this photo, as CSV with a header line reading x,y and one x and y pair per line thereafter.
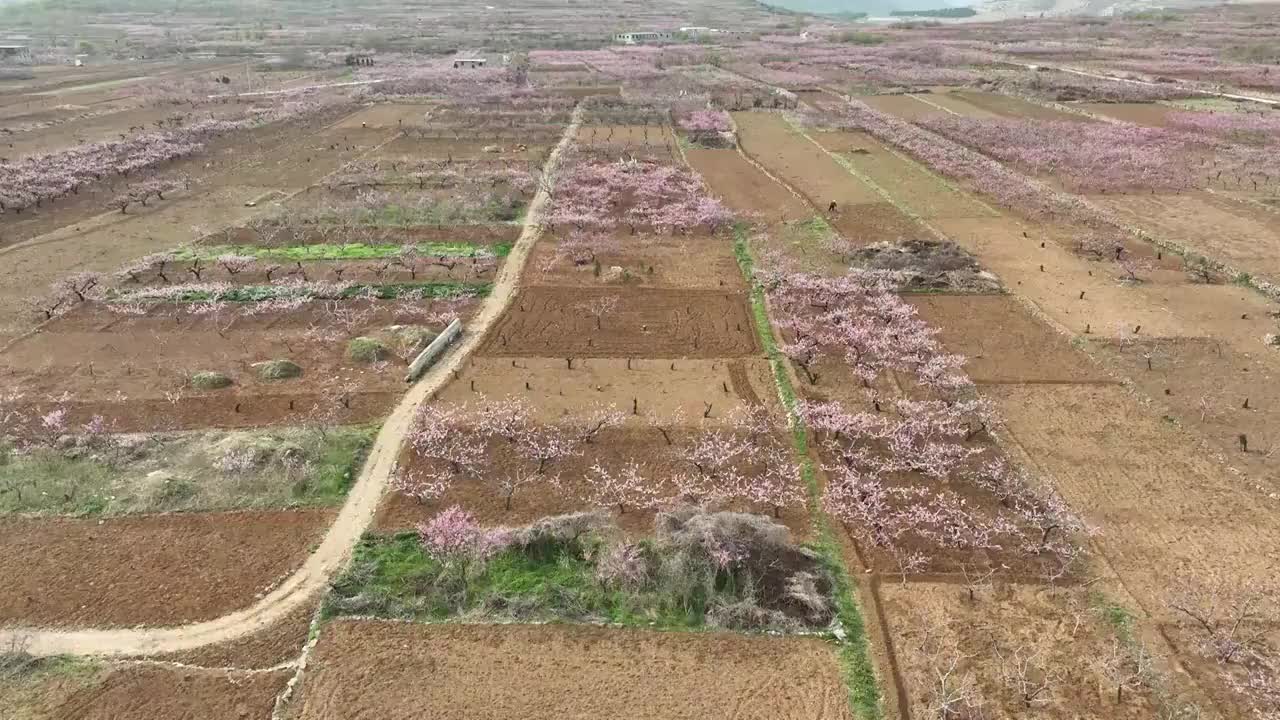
x,y
780,584
926,265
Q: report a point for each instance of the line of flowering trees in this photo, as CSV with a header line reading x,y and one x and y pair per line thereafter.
x,y
1116,157
138,193
706,124
37,179
1063,87
875,460
745,459
406,76
1009,187
600,196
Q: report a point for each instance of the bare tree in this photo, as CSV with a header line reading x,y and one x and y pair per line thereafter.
x,y
1025,670
1123,668
1228,611
976,580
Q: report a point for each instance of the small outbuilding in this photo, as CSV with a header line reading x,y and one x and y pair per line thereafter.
x,y
639,38
21,53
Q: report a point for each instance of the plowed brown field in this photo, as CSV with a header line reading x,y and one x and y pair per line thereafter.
x,y
377,670
147,570
556,322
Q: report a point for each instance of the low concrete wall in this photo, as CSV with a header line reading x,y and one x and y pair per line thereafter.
x,y
433,351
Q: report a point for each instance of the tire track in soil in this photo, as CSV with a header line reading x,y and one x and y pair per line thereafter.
x,y
742,384
356,514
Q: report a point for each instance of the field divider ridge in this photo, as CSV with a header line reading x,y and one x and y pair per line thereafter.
x,y
859,671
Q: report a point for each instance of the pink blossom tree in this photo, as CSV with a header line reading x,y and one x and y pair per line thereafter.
x,y
631,487
457,541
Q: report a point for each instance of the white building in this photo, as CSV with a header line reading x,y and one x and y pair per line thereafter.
x,y
636,38
469,62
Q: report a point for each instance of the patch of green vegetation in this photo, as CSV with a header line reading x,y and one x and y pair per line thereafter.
x,y
367,350
582,567
31,685
210,381
855,654
391,576
213,471
1116,616
348,251
278,370
50,481
17,663
815,231
338,459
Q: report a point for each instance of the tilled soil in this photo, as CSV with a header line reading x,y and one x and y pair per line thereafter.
x,y
1152,114
1166,508
1243,236
1003,341
162,693
642,388
744,188
147,570
791,156
135,371
557,322
668,261
1209,386
1011,106
373,669
907,107
910,186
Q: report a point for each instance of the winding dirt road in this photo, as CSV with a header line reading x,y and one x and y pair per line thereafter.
x,y
361,504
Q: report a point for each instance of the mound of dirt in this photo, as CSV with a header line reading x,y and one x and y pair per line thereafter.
x,y
927,265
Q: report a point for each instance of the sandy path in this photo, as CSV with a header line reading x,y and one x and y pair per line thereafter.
x,y
354,517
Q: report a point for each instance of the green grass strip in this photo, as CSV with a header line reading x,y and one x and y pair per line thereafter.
x,y
349,251
855,653
386,291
